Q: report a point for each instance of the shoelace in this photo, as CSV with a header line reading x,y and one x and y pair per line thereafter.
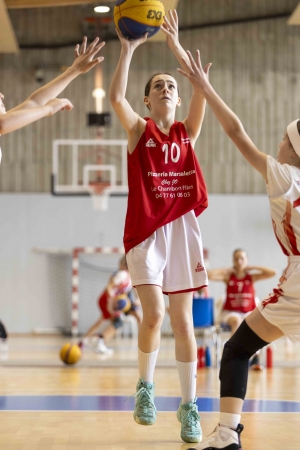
x,y
192,417
144,397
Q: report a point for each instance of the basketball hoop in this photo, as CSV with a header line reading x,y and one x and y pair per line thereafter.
x,y
99,192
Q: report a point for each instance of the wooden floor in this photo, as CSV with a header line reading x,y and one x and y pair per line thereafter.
x,y
31,370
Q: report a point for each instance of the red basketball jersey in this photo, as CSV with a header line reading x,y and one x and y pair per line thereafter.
x,y
165,182
240,294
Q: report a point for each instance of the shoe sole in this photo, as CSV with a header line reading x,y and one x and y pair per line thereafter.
x,y
184,440
228,447
141,422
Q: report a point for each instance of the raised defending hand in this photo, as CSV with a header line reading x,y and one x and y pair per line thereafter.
x,y
59,104
128,44
170,28
84,57
198,76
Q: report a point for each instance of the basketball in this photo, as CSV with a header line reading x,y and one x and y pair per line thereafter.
x,y
70,353
122,303
134,18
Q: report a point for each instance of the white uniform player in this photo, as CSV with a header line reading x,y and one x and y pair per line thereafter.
x,y
281,308
279,314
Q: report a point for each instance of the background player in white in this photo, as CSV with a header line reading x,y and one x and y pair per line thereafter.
x,y
162,237
279,313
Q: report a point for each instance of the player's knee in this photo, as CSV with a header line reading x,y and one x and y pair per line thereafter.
x,y
234,322
154,319
235,359
117,322
3,333
182,329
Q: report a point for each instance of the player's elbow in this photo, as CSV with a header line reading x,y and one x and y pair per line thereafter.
x,y
3,125
235,130
115,99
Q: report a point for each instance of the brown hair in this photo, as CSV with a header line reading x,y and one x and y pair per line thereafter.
x,y
148,85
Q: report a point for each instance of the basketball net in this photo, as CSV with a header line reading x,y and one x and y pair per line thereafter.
x,y
99,195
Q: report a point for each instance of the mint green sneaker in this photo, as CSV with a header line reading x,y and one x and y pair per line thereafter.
x,y
188,415
144,410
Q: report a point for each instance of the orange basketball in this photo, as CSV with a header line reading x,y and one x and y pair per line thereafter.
x,y
70,353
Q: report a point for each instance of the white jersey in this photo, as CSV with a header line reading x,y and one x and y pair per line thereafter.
x,y
284,194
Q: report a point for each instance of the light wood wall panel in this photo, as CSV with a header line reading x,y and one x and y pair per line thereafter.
x,y
255,69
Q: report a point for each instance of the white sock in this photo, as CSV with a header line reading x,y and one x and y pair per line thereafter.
x,y
188,377
147,362
229,420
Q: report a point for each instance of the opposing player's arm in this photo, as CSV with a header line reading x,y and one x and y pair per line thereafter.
x,y
227,118
43,102
194,119
130,120
85,60
261,273
19,118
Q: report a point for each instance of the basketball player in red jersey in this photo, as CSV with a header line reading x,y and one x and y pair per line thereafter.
x,y
279,313
240,293
118,283
162,237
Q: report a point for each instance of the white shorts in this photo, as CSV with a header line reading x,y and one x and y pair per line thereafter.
x,y
172,257
227,314
282,306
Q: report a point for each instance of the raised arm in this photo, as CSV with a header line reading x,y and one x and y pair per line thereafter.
x,y
43,102
260,273
222,274
230,122
130,120
194,119
84,61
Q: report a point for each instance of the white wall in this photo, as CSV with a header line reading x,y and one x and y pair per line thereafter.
x,y
40,220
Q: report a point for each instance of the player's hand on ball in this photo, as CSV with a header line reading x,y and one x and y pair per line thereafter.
x,y
128,44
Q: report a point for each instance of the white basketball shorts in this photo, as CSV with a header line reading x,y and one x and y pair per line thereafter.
x,y
226,314
172,257
282,306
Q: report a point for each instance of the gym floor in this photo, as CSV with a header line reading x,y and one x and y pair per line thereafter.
x,y
47,405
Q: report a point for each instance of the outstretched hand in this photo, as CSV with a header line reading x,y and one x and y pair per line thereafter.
x,y
170,28
194,71
128,44
59,104
84,56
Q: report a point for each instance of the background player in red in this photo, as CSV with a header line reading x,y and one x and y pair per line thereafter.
x,y
111,308
279,313
240,297
162,237
240,292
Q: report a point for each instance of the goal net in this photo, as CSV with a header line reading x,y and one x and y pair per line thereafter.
x,y
74,281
